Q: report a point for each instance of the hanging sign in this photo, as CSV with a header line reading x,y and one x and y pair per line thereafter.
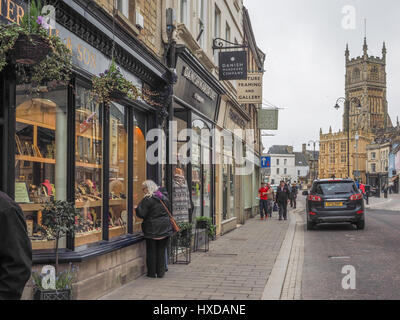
x,y
233,65
268,119
250,90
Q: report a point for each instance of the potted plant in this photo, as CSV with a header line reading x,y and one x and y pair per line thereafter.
x,y
59,218
113,85
184,236
206,223
26,46
64,281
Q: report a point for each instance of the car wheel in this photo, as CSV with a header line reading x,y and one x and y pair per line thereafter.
x,y
360,225
310,225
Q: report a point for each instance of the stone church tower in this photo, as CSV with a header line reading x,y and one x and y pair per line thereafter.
x,y
366,80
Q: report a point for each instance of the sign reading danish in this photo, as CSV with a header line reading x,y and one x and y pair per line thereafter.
x,y
233,65
250,90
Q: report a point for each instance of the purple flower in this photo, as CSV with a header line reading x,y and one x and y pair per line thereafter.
x,y
39,20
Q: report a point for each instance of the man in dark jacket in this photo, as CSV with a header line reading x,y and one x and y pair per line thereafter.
x,y
282,196
15,250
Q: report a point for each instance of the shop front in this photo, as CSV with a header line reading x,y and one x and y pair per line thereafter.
x,y
61,144
196,102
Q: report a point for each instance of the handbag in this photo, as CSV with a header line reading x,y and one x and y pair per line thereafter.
x,y
174,225
275,207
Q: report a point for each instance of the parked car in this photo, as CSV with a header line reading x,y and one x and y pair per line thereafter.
x,y
334,200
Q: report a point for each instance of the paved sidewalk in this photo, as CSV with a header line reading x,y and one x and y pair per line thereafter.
x,y
237,267
392,202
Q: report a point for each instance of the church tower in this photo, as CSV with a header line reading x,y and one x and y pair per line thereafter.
x,y
366,80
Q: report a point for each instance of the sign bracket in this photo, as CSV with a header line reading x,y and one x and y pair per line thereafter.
x,y
218,44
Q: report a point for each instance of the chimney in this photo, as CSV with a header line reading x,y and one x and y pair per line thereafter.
x,y
304,148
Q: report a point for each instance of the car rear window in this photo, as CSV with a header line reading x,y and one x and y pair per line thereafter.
x,y
333,188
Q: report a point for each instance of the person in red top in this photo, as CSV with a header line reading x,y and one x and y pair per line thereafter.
x,y
262,192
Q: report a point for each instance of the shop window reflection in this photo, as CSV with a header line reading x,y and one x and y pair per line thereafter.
x,y
118,216
40,164
88,168
139,171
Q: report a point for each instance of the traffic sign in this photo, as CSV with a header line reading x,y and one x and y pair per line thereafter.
x,y
265,162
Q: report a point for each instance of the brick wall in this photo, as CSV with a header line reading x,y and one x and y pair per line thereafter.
x,y
150,35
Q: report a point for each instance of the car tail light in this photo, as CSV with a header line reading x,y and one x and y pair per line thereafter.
x,y
355,197
314,198
313,214
360,212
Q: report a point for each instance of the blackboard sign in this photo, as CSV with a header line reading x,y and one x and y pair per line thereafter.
x,y
233,65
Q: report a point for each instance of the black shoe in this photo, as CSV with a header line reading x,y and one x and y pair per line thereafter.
x,y
151,276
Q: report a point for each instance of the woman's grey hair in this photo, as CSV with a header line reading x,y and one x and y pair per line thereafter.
x,y
151,188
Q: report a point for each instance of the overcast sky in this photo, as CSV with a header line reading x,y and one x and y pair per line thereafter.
x,y
305,66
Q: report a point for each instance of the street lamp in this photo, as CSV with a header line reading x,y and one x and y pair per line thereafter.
x,y
314,166
347,103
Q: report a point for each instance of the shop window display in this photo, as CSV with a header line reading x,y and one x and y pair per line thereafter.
x,y
139,170
118,216
88,168
40,164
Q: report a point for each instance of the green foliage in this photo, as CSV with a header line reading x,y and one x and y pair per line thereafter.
x,y
64,279
56,66
110,81
59,218
211,228
184,236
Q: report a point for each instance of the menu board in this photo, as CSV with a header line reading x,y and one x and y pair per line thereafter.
x,y
21,193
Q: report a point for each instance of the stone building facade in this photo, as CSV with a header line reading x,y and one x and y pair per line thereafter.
x,y
365,80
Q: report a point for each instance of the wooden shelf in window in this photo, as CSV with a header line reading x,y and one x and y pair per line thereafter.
x,y
43,244
88,165
89,204
35,123
35,159
88,136
87,237
30,207
117,202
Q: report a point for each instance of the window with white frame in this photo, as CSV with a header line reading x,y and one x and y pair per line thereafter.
x,y
183,11
202,22
227,32
123,7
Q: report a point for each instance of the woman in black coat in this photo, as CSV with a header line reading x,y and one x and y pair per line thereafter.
x,y
156,227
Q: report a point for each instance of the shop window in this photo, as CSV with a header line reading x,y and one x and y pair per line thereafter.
x,y
40,162
139,170
88,167
118,216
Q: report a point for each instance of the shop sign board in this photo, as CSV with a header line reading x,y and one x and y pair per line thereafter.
x,y
268,119
249,91
233,65
196,91
11,11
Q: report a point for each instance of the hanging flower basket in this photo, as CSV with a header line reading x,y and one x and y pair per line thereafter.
x,y
112,85
30,49
26,46
117,95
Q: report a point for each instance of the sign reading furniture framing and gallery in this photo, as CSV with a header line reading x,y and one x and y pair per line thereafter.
x,y
249,91
233,65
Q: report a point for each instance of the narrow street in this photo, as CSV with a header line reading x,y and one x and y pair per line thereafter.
x,y
374,253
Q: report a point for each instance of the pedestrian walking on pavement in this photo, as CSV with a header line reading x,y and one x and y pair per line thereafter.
x,y
263,194
270,200
156,226
15,250
293,196
282,196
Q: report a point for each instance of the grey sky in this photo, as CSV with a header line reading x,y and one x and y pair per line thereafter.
x,y
305,42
